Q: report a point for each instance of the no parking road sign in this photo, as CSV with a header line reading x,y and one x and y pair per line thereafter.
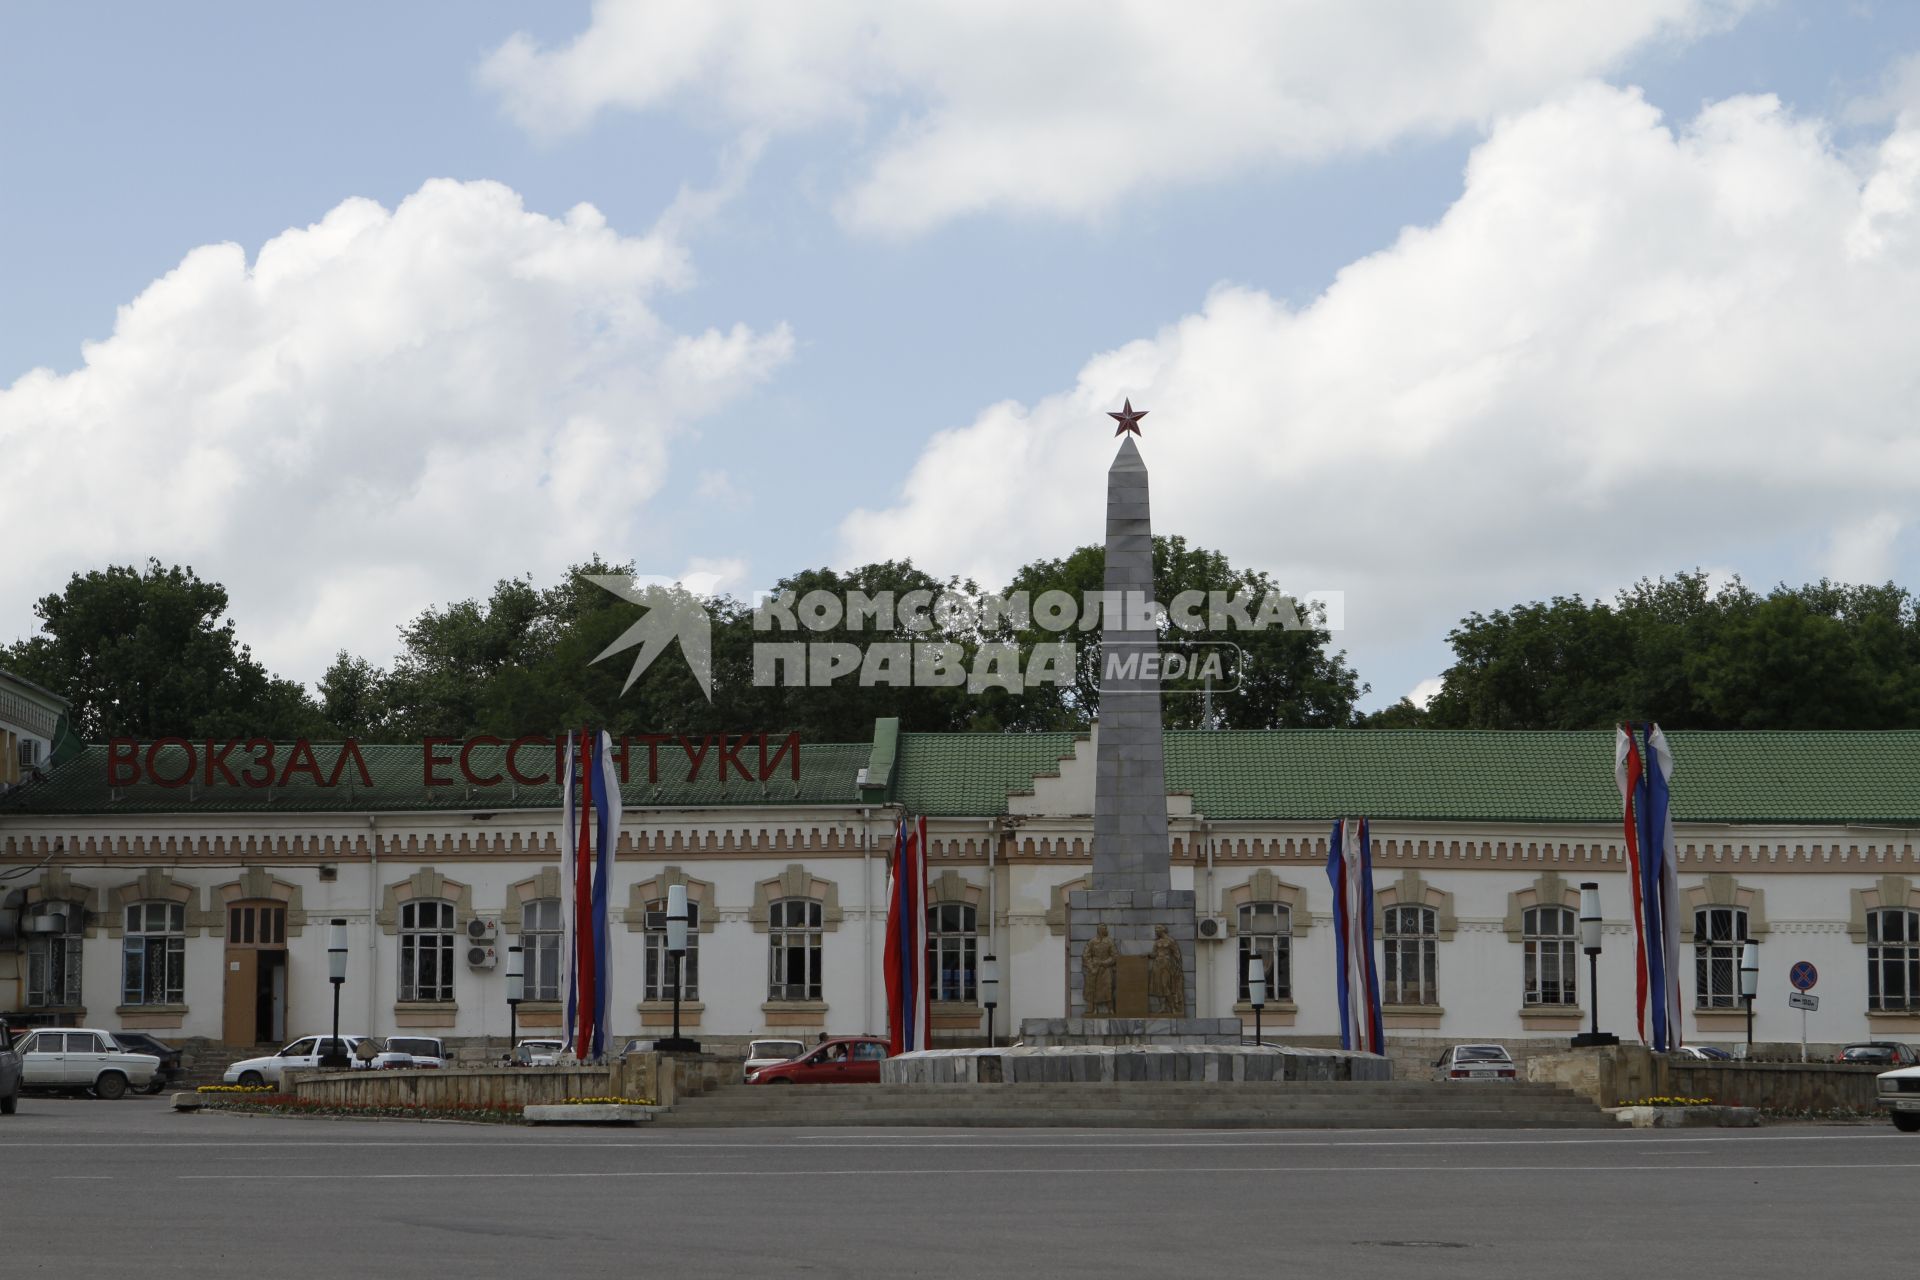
x,y
1803,975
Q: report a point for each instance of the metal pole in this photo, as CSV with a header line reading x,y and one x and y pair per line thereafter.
x,y
1593,987
1749,1028
333,1050
1256,1024
676,994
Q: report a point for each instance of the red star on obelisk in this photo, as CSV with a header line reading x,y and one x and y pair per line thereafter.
x,y
1128,418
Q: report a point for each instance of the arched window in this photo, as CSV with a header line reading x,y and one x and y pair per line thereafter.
x,y
153,966
659,978
793,955
1893,959
54,931
951,948
1547,935
1409,939
1717,935
540,947
426,950
1266,930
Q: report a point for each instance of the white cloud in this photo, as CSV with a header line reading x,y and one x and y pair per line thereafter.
x,y
1423,693
1624,350
387,409
1068,107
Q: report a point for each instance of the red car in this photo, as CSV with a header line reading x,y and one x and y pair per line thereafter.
x,y
847,1060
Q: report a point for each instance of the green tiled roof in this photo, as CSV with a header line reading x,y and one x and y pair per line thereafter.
x,y
1315,774
970,774
827,773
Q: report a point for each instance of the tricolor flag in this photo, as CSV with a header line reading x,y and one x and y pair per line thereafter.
x,y
1350,870
590,827
1643,769
909,999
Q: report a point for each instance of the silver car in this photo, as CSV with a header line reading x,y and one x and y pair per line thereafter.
x,y
1476,1062
83,1058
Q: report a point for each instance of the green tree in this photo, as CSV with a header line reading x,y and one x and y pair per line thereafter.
x,y
148,653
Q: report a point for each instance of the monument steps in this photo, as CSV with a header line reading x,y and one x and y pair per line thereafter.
x,y
1373,1105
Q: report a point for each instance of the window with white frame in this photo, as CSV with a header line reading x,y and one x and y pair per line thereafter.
x,y
952,948
1717,935
793,940
1547,935
659,975
53,954
1409,942
540,948
1266,930
1893,959
153,965
426,950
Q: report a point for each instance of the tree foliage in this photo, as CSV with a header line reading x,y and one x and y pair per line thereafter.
x,y
1822,656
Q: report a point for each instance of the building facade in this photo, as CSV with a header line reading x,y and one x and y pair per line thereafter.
x,y
187,907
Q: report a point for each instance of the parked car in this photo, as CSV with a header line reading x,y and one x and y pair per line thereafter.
x,y
1476,1062
83,1058
1889,1053
1705,1051
846,1060
1897,1093
413,1051
171,1070
304,1052
9,1073
765,1053
538,1053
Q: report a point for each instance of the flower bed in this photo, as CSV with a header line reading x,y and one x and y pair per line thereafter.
x,y
607,1102
264,1100
1668,1101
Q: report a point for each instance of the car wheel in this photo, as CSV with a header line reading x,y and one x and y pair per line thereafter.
x,y
252,1079
1907,1121
10,1103
110,1085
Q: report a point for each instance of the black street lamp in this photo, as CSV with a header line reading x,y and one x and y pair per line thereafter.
x,y
1749,983
1590,920
1257,992
335,1058
676,954
516,992
990,991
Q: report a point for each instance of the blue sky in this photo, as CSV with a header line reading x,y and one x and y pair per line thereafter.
x,y
863,326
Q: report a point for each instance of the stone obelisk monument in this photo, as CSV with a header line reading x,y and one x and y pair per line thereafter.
x,y
1132,903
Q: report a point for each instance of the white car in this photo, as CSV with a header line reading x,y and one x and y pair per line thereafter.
x,y
1898,1093
1476,1062
82,1058
413,1051
539,1053
765,1053
304,1052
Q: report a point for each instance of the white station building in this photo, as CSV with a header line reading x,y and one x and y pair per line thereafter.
x,y
191,907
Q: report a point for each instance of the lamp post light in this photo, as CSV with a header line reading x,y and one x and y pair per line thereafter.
x,y
1257,992
516,992
990,991
1590,920
335,1058
1749,983
676,956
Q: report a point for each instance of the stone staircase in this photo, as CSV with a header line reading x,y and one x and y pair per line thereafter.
x,y
1391,1104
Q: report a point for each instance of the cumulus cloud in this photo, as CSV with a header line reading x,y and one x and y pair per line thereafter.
x,y
1068,107
1625,349
383,410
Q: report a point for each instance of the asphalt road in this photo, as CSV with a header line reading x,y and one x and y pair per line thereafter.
x,y
93,1188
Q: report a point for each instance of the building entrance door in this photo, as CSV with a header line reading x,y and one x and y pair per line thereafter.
x,y
254,1006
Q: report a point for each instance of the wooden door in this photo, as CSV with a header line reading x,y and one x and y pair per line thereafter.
x,y
238,1022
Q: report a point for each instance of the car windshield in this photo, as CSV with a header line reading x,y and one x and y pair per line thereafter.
x,y
418,1048
1868,1052
1479,1053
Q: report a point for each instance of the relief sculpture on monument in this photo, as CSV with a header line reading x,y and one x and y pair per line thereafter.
x,y
1166,976
1097,965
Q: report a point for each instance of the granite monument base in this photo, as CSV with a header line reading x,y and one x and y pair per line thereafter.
x,y
1109,1064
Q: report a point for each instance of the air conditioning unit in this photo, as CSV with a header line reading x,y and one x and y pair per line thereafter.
x,y
481,957
483,929
1212,929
